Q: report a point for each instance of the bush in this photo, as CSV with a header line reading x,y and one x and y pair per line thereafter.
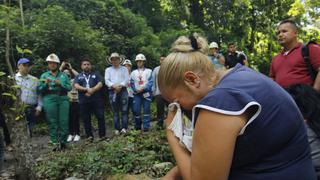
x,y
133,153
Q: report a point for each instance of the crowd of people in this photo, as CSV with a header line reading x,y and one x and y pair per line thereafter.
x,y
245,124
66,97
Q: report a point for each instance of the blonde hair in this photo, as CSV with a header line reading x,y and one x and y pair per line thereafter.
x,y
188,54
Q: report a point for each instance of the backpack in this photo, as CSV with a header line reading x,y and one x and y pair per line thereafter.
x,y
305,54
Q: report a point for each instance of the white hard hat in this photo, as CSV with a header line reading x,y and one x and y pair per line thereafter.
x,y
140,57
114,55
53,58
213,45
127,61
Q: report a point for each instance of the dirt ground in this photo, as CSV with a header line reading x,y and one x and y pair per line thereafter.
x,y
40,143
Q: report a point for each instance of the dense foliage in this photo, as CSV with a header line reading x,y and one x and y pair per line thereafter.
x,y
134,153
95,28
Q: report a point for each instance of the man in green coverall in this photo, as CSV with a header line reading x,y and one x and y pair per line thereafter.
x,y
54,86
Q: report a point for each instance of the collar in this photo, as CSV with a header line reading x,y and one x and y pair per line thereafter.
x,y
57,73
20,75
86,73
288,52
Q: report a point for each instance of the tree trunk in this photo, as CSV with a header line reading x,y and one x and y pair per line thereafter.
x,y
21,12
253,30
7,54
196,10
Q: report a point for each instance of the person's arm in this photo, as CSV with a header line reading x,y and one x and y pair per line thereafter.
x,y
172,174
62,66
107,78
316,84
221,59
226,62
43,84
214,140
315,61
65,82
126,78
80,88
271,71
154,77
97,87
148,86
244,59
75,73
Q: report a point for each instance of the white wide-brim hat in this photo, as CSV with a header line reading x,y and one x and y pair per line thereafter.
x,y
115,55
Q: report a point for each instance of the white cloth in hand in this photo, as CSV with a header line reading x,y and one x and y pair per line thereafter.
x,y
181,127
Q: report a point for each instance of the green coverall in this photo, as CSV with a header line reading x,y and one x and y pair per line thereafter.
x,y
56,105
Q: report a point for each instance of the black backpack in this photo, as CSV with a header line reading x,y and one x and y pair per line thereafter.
x,y
305,54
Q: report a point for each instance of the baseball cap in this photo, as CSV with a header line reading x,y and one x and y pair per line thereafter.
x,y
23,61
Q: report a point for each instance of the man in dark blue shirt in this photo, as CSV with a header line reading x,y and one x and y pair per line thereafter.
x,y
89,84
234,57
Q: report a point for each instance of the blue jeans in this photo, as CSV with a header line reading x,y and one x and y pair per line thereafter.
x,y
138,101
86,110
119,103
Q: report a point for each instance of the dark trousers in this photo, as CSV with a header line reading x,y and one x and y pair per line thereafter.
x,y
161,104
1,152
97,108
74,115
30,111
130,109
4,126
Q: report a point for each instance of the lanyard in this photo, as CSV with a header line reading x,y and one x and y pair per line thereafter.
x,y
87,80
140,73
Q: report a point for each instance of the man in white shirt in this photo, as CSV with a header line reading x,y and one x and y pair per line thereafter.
x,y
28,93
160,101
117,78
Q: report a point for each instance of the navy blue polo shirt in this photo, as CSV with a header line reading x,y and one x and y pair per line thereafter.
x,y
273,144
233,59
93,79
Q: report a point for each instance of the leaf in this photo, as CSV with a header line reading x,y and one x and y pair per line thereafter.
x,y
16,86
10,95
18,117
20,51
2,73
27,51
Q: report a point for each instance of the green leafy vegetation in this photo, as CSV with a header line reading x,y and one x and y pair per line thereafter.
x,y
95,28
132,153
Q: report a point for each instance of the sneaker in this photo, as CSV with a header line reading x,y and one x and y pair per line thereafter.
x,y
70,138
76,138
123,131
116,132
